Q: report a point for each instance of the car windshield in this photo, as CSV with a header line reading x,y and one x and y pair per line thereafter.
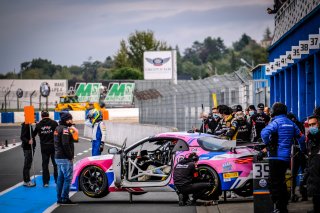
x,y
212,144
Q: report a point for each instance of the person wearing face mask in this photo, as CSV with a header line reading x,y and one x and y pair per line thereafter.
x,y
313,144
225,123
214,120
64,154
244,128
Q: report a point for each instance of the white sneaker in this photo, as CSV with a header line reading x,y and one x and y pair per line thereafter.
x,y
29,184
46,185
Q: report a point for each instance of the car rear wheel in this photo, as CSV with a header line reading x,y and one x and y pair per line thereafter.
x,y
209,175
93,182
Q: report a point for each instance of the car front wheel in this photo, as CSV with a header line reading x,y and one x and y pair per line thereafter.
x,y
93,182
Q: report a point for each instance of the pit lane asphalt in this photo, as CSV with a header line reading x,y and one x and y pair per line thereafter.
x,y
11,164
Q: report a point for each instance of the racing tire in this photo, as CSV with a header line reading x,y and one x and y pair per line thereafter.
x,y
94,182
209,175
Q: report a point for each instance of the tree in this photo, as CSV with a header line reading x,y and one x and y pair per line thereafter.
x,y
122,57
267,34
127,73
244,41
131,54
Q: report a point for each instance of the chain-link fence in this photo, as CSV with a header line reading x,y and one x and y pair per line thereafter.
x,y
163,103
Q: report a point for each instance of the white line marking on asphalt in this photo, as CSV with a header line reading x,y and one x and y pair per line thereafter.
x,y
80,154
15,186
55,205
86,151
10,146
106,144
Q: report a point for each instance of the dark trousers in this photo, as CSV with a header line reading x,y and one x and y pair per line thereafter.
x,y
196,189
27,165
277,185
47,153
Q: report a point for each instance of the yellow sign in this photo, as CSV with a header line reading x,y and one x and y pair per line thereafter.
x,y
214,99
231,175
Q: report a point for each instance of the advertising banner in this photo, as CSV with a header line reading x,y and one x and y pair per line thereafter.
x,y
159,64
112,93
22,89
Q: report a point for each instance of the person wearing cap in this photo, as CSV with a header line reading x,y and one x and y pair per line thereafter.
x,y
183,176
259,121
45,129
64,154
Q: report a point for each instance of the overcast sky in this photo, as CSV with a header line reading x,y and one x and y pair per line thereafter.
x,y
68,32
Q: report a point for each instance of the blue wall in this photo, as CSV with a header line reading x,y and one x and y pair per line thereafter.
x,y
297,85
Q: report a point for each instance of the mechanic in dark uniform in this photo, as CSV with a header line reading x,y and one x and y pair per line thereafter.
x,y
259,121
278,137
313,144
243,128
45,129
183,175
299,162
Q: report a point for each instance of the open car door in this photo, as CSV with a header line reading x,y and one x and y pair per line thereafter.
x,y
117,165
150,163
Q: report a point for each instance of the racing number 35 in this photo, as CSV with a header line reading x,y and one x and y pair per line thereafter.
x,y
260,170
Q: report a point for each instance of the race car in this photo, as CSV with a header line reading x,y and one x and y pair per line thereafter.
x,y
147,166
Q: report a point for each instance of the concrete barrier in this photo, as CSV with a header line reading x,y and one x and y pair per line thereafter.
x,y
118,114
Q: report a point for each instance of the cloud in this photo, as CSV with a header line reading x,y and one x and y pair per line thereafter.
x,y
69,31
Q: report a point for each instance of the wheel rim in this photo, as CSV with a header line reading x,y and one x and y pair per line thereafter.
x,y
92,180
208,177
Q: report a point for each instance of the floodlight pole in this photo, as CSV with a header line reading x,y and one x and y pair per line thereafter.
x,y
175,82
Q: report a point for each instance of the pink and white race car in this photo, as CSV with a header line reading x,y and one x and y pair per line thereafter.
x,y
147,166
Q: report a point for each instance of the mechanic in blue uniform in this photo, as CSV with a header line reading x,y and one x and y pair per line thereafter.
x,y
278,136
98,131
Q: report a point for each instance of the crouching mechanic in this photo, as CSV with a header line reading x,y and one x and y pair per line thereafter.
x,y
183,176
98,131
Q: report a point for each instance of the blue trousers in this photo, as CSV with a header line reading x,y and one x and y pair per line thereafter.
x,y
96,147
65,171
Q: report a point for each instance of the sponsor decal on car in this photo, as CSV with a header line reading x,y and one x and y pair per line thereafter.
x,y
230,175
100,157
226,167
263,183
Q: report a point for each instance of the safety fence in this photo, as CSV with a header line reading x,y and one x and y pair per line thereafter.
x,y
179,105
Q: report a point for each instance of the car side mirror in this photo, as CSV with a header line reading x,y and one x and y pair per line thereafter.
x,y
113,150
